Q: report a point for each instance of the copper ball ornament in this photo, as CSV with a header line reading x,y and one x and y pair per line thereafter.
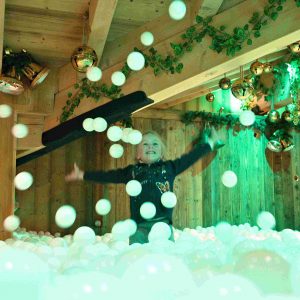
x,y
225,83
287,116
83,57
295,47
241,89
268,68
273,116
257,68
210,97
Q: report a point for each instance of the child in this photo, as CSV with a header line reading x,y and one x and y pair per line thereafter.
x,y
155,175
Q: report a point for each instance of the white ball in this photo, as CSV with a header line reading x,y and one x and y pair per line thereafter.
x,y
147,38
93,73
247,117
118,78
159,231
135,137
229,179
125,134
88,124
116,150
11,223
84,235
5,111
168,199
131,226
177,10
265,220
148,210
19,131
114,133
99,124
23,181
65,216
133,188
103,207
136,61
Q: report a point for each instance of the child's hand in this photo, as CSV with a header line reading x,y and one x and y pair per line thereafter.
x,y
216,139
76,174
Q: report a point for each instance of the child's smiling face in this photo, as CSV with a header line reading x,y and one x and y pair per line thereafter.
x,y
150,149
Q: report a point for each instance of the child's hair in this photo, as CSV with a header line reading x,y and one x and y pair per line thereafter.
x,y
161,140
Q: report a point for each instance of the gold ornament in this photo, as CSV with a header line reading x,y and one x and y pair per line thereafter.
x,y
249,79
83,57
268,68
287,116
273,116
274,144
257,68
280,141
241,89
10,82
295,47
225,83
210,97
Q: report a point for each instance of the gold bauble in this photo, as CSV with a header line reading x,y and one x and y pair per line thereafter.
x,y
295,47
241,89
287,116
249,79
10,82
210,97
83,57
257,68
268,68
273,116
225,83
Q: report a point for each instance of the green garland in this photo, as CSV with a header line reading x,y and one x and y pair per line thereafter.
x,y
220,41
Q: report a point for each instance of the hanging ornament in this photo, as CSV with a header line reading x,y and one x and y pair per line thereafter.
x,y
10,83
210,97
268,68
273,116
225,83
280,141
249,79
257,68
295,47
286,116
241,89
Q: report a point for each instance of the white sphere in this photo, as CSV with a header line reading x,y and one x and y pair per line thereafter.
x,y
114,133
93,73
247,117
19,130
23,181
177,10
103,207
148,210
168,199
5,111
125,134
116,150
84,235
11,223
65,216
88,124
229,179
147,38
136,61
133,188
131,226
135,137
159,231
118,78
265,220
99,124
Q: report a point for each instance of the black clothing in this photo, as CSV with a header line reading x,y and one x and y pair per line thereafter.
x,y
155,179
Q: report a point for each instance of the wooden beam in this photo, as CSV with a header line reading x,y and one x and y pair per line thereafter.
x,y
209,7
161,114
101,13
202,65
2,12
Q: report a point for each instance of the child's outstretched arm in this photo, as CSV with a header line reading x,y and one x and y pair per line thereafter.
x,y
75,174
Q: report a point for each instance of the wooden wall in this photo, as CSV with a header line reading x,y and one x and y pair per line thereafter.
x,y
265,181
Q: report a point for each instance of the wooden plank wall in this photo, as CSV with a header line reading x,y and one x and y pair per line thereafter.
x,y
266,181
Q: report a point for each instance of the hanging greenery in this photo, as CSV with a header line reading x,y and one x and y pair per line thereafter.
x,y
221,41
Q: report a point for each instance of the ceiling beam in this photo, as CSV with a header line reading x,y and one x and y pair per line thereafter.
x,y
2,13
101,13
208,7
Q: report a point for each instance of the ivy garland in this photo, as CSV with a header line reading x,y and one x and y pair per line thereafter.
x,y
220,41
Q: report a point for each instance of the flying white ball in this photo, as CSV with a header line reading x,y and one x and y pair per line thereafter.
x,y
103,207
5,111
229,179
116,150
133,188
23,181
265,220
11,223
118,78
131,226
125,134
135,137
19,131
84,235
88,124
168,199
99,124
159,231
65,216
247,117
136,61
93,73
114,133
147,38
147,210
177,10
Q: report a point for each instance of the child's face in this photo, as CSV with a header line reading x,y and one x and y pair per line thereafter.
x,y
150,149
